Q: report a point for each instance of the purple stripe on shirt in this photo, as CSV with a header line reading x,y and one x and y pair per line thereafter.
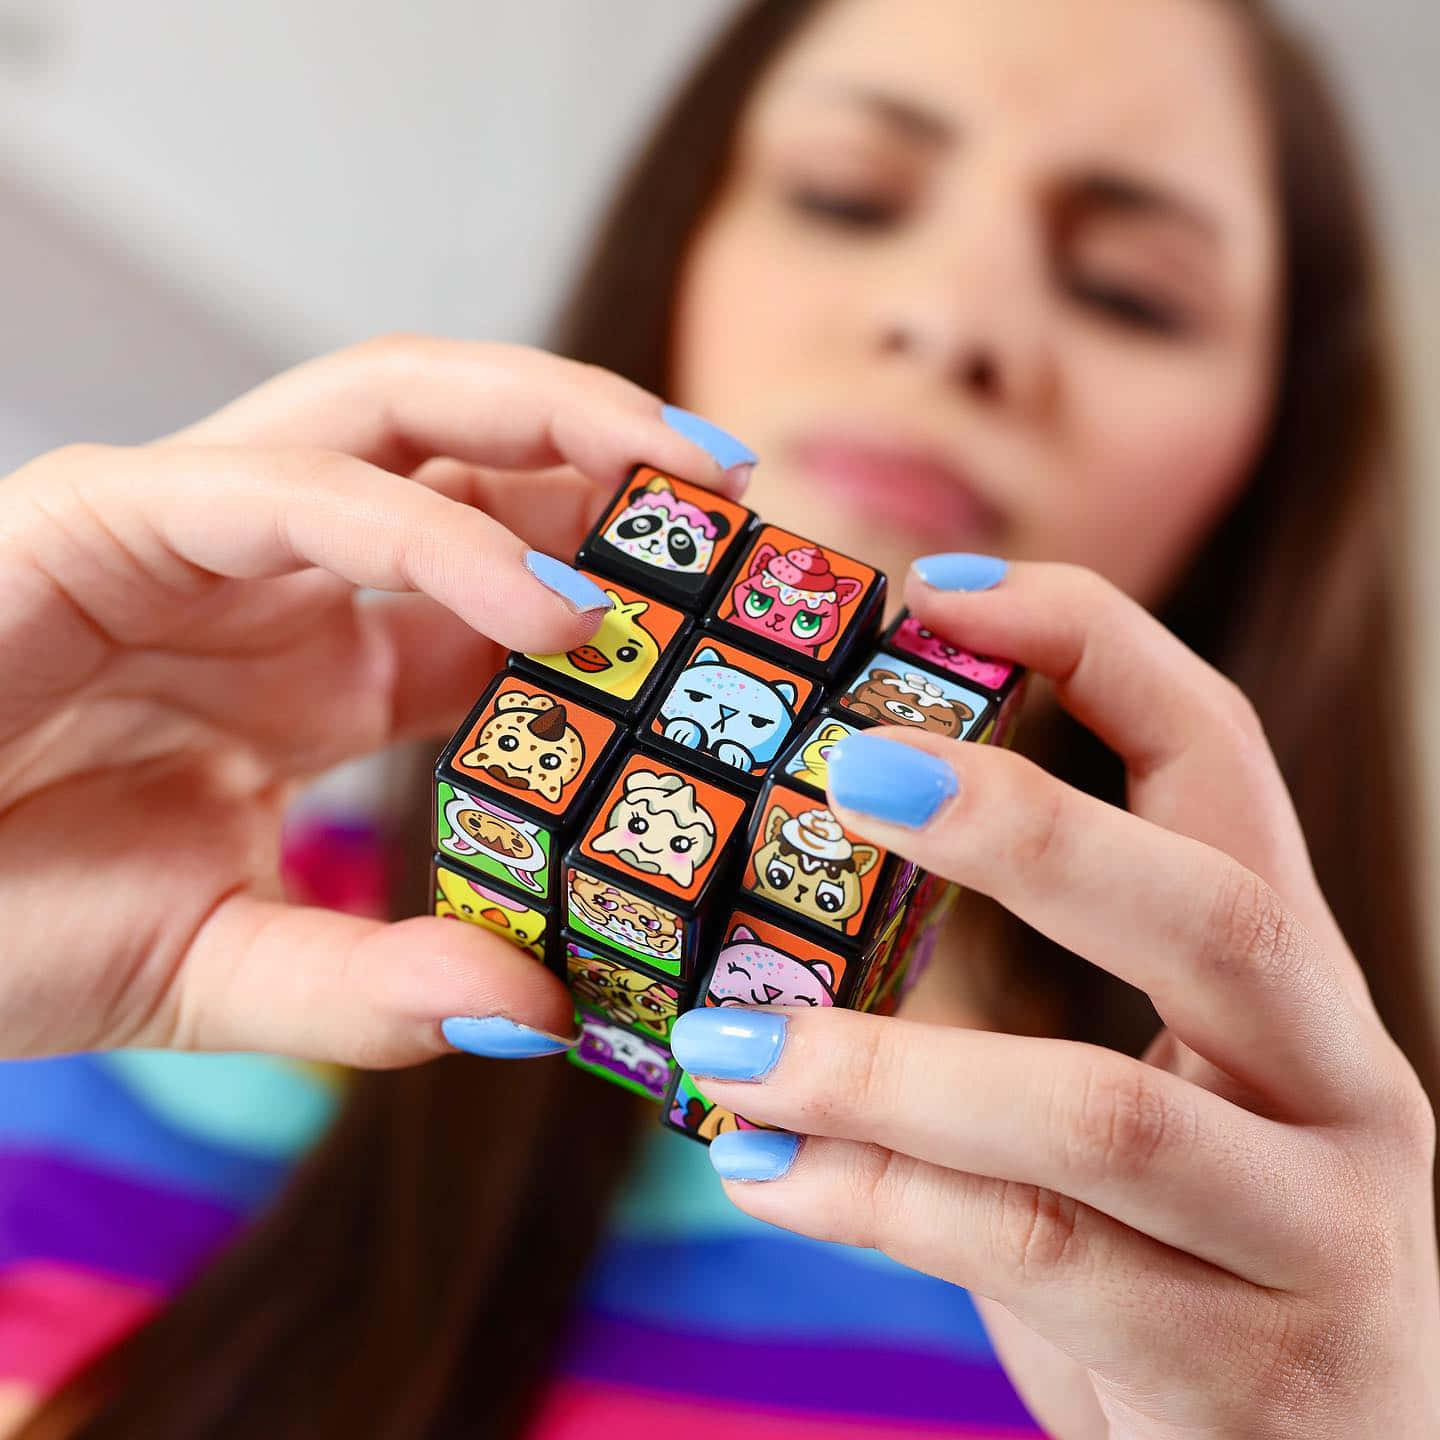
x,y
53,1209
853,1380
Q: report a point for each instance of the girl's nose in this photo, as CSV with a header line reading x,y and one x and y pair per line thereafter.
x,y
970,302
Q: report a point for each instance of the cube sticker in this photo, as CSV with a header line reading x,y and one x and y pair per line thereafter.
x,y
731,705
533,744
484,836
888,693
632,924
458,897
804,860
795,593
628,996
664,826
619,659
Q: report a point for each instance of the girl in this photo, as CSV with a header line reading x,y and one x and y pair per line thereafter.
x,y
1082,285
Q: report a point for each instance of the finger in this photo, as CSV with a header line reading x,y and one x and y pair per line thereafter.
x,y
440,665
318,985
1195,756
552,510
1096,1290
1145,1147
398,401
1226,964
122,521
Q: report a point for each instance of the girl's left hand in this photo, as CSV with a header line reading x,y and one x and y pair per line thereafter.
x,y
1230,1236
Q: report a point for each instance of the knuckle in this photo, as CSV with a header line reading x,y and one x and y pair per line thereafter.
x,y
879,1197
1251,931
1039,839
1037,1231
855,1080
1302,1354
1122,1120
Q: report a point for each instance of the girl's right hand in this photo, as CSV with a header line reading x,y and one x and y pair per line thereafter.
x,y
183,643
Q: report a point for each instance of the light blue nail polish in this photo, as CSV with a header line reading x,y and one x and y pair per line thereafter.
x,y
499,1038
961,571
577,590
728,1043
723,447
753,1154
889,780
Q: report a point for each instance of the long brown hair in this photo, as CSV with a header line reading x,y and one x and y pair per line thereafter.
x,y
414,1277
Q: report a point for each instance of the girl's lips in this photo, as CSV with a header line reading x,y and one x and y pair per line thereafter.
x,y
911,487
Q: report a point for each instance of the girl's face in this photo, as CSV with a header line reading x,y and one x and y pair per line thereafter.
x,y
994,276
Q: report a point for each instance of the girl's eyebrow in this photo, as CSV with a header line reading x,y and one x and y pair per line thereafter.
x,y
915,123
1101,192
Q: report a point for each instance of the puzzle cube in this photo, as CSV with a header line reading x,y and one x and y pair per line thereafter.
x,y
621,666
1002,682
513,782
652,855
726,711
648,812
668,538
799,604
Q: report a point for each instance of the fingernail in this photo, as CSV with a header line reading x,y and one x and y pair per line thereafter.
x,y
499,1038
961,571
578,591
728,1044
888,780
739,460
753,1154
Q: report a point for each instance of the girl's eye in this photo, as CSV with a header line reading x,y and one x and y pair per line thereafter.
x,y
1129,307
757,604
806,624
847,210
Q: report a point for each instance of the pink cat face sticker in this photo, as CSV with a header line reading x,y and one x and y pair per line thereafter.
x,y
913,638
793,599
749,972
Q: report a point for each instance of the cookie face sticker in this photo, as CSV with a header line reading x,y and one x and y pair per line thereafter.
x,y
889,693
485,836
458,897
532,746
732,706
913,638
793,593
806,861
632,924
663,825
668,525
622,654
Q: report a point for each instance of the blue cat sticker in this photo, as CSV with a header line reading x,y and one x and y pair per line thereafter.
x,y
733,706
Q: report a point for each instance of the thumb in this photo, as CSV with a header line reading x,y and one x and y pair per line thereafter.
x,y
318,985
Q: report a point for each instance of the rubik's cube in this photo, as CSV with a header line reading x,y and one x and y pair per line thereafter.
x,y
646,814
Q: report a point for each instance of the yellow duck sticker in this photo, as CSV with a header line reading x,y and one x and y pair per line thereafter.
x,y
459,898
620,656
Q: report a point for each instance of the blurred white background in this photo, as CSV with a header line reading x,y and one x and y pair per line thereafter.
x,y
193,195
